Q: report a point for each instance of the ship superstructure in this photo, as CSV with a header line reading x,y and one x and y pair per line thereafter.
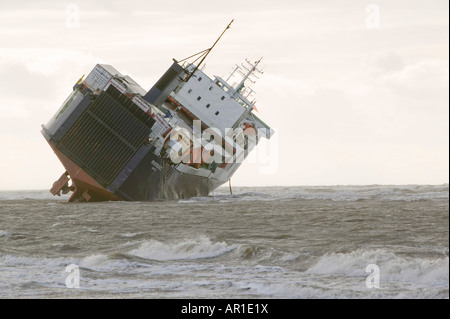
x,y
184,137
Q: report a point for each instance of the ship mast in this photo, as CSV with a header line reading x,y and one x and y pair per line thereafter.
x,y
204,53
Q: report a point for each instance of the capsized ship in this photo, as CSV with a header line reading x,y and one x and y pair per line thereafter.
x,y
184,137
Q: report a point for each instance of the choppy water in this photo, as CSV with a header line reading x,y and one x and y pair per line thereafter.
x,y
274,242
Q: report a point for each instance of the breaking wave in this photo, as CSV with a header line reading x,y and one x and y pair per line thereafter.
x,y
198,248
393,268
4,233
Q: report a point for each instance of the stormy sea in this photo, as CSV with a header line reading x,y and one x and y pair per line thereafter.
x,y
329,242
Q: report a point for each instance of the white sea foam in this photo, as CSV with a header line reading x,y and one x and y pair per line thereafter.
x,y
94,261
196,248
91,230
108,264
393,268
129,235
57,224
4,233
9,260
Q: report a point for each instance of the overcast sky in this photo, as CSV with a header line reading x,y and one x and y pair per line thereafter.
x,y
357,91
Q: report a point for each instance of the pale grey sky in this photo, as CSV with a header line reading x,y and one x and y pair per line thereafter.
x,y
357,91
